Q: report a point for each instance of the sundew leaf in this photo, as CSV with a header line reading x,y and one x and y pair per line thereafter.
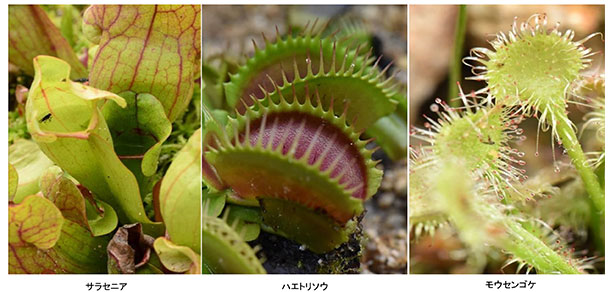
x,y
29,162
65,121
31,33
152,49
180,195
176,258
13,181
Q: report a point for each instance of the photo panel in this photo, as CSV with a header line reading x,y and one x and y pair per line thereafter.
x,y
315,139
104,139
305,139
507,139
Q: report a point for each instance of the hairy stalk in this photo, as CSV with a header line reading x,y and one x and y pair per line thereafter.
x,y
588,176
535,67
480,221
578,159
454,73
591,91
476,183
533,250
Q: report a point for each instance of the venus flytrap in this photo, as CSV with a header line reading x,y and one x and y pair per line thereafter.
x,y
533,67
350,32
227,250
283,152
224,240
268,155
281,63
296,65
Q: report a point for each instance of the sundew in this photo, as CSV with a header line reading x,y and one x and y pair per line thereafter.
x,y
467,174
531,65
480,133
590,92
534,67
453,180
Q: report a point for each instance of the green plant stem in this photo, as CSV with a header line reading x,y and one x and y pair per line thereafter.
x,y
596,224
528,247
597,220
454,74
475,219
390,133
577,157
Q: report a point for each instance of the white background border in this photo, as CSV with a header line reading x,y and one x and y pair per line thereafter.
x,y
372,283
